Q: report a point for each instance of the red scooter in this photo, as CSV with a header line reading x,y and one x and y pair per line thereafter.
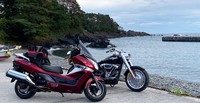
x,y
34,73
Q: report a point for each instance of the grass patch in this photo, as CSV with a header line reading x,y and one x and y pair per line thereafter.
x,y
179,92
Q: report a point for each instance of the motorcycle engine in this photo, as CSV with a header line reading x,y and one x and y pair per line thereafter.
x,y
111,70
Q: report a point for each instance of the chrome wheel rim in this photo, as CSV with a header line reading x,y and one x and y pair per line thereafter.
x,y
137,82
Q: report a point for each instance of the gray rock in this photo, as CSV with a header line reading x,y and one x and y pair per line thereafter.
x,y
168,84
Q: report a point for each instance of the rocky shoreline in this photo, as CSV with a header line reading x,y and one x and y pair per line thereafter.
x,y
169,84
97,39
156,81
92,37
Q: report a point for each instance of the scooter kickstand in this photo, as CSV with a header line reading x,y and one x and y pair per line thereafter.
x,y
62,94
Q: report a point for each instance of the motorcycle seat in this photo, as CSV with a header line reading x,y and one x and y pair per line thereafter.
x,y
54,69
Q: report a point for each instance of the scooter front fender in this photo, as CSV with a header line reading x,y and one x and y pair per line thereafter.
x,y
91,80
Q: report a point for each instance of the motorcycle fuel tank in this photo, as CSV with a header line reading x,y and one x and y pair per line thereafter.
x,y
112,60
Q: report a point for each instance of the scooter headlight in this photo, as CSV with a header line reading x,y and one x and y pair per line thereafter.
x,y
94,63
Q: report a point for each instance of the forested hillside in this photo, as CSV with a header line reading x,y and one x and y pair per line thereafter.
x,y
41,21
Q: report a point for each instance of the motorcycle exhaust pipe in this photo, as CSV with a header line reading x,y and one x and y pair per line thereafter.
x,y
20,76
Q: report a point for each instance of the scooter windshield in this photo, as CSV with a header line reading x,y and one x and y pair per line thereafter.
x,y
84,51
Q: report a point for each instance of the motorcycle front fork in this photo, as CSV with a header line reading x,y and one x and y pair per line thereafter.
x,y
128,65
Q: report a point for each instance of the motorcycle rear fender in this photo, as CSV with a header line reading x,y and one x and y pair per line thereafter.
x,y
91,79
132,68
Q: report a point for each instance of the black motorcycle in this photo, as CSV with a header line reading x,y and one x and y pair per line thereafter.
x,y
110,69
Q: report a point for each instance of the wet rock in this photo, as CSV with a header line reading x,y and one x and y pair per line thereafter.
x,y
100,44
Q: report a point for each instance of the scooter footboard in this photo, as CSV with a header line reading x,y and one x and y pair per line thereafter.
x,y
97,78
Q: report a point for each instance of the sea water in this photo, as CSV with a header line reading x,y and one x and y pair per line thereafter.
x,y
180,60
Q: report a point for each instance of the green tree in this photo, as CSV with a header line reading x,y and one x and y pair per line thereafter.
x,y
33,20
40,21
99,23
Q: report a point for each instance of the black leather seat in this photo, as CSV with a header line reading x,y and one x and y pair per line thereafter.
x,y
54,69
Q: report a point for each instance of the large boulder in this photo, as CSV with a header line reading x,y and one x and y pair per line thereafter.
x,y
100,44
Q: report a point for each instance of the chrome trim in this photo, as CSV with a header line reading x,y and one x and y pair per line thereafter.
x,y
111,66
17,75
21,55
89,69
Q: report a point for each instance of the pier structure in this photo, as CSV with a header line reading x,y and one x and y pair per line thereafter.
x,y
181,38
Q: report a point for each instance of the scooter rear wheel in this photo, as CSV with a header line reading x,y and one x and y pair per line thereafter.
x,y
93,93
24,90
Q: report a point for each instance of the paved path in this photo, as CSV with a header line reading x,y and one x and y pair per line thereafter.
x,y
119,94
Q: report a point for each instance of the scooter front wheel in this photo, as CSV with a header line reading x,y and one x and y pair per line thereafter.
x,y
93,93
139,82
24,90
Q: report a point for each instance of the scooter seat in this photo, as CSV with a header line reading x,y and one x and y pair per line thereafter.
x,y
54,69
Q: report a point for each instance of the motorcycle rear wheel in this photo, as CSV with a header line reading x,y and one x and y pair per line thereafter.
x,y
93,93
24,90
139,83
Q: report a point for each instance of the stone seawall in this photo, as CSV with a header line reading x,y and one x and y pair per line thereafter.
x,y
181,38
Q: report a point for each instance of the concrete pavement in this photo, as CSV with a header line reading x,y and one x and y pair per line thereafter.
x,y
119,94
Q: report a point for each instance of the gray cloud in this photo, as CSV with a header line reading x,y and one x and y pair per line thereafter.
x,y
141,14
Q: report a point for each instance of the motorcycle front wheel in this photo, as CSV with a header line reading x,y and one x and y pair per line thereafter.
x,y
140,82
93,93
24,90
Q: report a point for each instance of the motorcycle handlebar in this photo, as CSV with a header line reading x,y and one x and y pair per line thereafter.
x,y
112,50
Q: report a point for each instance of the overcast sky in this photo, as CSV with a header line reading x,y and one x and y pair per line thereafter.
x,y
152,16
